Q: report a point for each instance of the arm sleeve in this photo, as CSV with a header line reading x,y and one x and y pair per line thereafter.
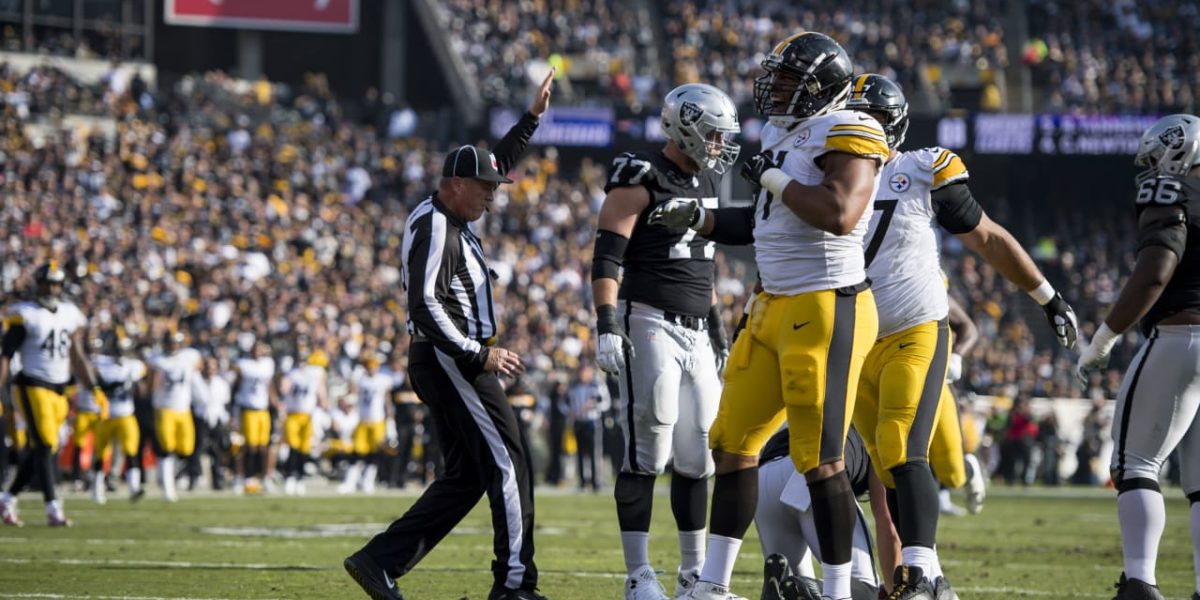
x,y
510,148
956,209
1166,227
733,226
426,311
14,334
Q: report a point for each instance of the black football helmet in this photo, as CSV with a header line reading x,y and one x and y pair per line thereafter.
x,y
44,277
876,93
807,75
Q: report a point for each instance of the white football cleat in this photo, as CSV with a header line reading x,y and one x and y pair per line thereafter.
x,y
976,485
704,590
289,486
8,511
644,585
685,581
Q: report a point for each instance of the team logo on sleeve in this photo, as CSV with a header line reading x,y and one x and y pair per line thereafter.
x,y
689,113
1172,138
802,137
899,182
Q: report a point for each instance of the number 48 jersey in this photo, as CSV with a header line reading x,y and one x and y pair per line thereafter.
x,y
670,269
902,254
45,339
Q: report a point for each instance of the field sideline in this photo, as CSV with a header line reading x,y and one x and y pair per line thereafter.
x,y
1032,544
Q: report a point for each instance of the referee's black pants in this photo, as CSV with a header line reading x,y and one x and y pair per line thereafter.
x,y
484,453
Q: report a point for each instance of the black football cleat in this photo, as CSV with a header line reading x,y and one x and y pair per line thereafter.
x,y
801,588
911,584
942,590
371,577
861,590
509,594
1136,589
775,571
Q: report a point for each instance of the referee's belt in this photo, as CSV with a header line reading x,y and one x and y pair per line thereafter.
x,y
686,321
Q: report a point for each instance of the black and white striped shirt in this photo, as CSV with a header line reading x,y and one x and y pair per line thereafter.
x,y
445,273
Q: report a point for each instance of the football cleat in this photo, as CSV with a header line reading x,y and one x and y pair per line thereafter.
x,y
704,590
507,594
976,485
137,494
947,507
910,584
1136,589
371,577
98,494
861,590
684,580
8,512
644,585
942,590
59,520
776,570
800,588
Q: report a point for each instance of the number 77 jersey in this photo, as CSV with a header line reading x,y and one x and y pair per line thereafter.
x,y
901,249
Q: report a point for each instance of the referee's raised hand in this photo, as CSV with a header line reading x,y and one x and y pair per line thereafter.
x,y
542,100
504,362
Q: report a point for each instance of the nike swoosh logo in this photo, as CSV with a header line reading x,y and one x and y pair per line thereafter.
x,y
903,346
389,581
796,326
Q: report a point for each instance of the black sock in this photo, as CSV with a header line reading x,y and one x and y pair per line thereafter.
x,y
635,500
689,502
893,507
735,498
835,516
916,493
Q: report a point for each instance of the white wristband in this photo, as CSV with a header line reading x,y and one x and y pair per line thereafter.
x,y
698,222
1105,338
774,180
1042,293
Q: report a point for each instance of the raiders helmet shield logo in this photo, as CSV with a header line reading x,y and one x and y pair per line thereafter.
x,y
899,182
1172,138
689,113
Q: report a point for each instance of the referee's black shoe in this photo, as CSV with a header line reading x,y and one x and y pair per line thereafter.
x,y
502,593
1136,589
371,577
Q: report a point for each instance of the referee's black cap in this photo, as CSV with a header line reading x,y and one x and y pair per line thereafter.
x,y
474,163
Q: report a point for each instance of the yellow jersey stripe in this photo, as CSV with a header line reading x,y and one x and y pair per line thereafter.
x,y
941,159
954,170
857,145
14,320
781,45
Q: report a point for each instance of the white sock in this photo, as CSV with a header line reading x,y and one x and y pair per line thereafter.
x,y
636,546
1143,517
1196,541
691,549
722,554
352,475
837,580
54,508
920,557
135,480
168,472
944,499
935,568
7,498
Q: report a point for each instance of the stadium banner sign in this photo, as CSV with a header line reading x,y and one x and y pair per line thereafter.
x,y
1045,134
584,127
319,16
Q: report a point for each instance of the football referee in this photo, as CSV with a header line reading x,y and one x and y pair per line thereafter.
x,y
454,364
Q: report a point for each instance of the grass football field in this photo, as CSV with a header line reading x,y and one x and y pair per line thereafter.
x,y
1026,543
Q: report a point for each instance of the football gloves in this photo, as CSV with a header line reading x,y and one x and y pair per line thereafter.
x,y
1062,319
612,343
677,213
954,368
755,166
1095,355
718,338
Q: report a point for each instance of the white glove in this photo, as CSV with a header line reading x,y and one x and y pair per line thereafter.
x,y
677,213
954,369
610,352
1095,354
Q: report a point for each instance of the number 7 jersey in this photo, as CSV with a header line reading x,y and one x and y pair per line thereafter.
x,y
902,253
793,256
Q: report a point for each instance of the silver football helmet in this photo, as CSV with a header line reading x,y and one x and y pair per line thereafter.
x,y
702,121
1171,146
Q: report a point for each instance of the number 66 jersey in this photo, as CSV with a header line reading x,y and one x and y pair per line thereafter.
x,y
43,338
901,251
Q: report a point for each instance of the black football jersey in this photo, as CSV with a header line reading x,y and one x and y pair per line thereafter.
x,y
854,455
1183,290
671,269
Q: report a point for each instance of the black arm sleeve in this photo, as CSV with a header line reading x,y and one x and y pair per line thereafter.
x,y
426,311
608,254
12,340
1168,230
509,149
733,226
957,210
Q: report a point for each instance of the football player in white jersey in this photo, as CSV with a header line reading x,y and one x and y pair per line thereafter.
x,y
119,374
47,333
902,380
254,393
175,372
372,389
303,389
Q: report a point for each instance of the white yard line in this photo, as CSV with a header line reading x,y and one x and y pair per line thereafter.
x,y
164,564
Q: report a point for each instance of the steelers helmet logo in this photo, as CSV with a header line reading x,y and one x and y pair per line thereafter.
x,y
900,182
1172,138
689,113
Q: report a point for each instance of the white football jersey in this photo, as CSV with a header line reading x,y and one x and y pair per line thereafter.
x,y
902,253
344,423
793,256
253,391
179,372
303,383
118,376
373,393
46,348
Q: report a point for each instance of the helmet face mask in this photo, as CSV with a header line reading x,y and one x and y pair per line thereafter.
x,y
883,99
702,122
807,75
48,282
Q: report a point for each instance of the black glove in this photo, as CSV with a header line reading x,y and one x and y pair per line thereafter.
x,y
1062,319
717,337
607,322
754,168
